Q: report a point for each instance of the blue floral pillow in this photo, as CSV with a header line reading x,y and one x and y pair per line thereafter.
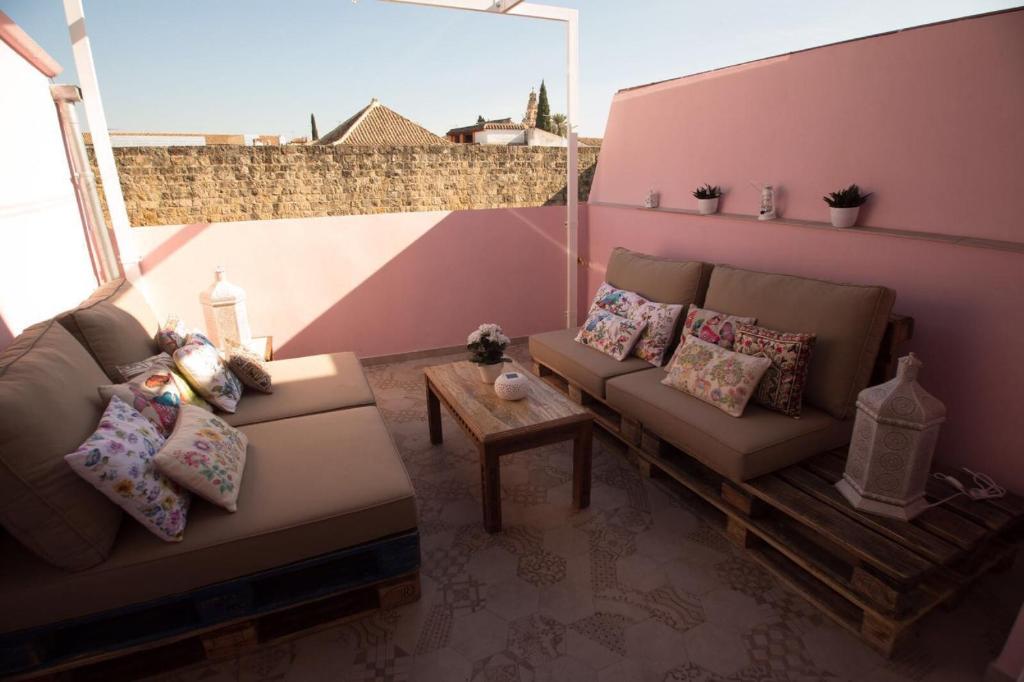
x,y
205,370
117,459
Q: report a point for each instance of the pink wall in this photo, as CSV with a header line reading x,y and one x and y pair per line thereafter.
x,y
929,119
918,117
376,284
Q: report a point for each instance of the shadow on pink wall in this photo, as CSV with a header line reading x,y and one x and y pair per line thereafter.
x,y
375,285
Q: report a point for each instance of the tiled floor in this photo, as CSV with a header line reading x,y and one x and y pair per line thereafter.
x,y
633,588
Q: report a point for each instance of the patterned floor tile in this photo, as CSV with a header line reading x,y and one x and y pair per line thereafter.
x,y
537,639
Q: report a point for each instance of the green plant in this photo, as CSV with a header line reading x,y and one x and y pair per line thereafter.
x,y
708,192
487,344
846,198
543,109
312,124
559,125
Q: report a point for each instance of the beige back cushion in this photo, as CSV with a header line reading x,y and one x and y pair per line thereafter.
x,y
848,319
658,279
116,325
48,406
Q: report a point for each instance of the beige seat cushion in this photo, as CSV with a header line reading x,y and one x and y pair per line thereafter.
x,y
48,406
116,325
848,319
740,448
309,385
586,367
662,280
312,485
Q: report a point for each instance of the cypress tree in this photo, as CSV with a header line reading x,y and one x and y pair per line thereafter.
x,y
312,123
543,109
481,119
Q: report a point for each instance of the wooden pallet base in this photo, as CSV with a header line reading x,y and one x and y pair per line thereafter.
x,y
874,577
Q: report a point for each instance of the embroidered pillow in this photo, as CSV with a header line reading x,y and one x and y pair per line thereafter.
x,y
610,333
782,388
713,327
118,461
206,372
198,337
171,336
250,370
617,301
206,456
660,319
715,375
154,407
163,361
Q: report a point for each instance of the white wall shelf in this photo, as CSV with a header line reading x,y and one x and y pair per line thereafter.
x,y
952,239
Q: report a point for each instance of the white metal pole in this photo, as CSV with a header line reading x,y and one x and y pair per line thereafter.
x,y
572,170
94,114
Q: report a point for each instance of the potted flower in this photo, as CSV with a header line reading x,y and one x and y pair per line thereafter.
x,y
844,205
487,349
707,199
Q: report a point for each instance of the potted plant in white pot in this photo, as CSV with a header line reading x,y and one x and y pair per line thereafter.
x,y
844,205
487,349
707,199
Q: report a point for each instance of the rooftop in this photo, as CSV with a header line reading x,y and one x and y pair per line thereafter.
x,y
376,124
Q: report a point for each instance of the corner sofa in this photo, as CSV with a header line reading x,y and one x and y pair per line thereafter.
x,y
325,504
849,321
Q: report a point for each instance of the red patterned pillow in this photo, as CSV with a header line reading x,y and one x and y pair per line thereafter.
x,y
782,387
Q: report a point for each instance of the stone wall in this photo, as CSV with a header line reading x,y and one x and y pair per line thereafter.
x,y
176,185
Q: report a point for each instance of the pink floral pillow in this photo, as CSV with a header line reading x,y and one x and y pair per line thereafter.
x,y
171,335
713,327
609,333
717,376
782,388
659,318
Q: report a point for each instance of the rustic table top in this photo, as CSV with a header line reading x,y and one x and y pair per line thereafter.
x,y
489,417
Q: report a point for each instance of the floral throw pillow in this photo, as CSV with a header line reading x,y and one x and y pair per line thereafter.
x,y
609,333
171,335
163,361
715,375
206,456
782,388
250,369
118,461
713,327
206,372
660,319
199,337
157,408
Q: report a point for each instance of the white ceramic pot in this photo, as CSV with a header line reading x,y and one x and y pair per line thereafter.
x,y
707,206
488,373
511,386
844,217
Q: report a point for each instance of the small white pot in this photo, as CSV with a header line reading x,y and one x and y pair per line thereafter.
x,y
488,373
707,206
844,217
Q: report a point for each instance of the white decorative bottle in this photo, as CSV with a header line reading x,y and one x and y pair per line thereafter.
x,y
893,442
227,320
767,211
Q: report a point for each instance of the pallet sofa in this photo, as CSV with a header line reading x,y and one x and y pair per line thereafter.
x,y
326,507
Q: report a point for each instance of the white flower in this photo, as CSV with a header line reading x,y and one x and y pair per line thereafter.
x,y
474,337
503,340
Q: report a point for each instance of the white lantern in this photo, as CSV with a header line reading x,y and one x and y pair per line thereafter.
x,y
227,321
893,442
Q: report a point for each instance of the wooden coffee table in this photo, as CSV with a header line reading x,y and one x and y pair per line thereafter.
x,y
499,427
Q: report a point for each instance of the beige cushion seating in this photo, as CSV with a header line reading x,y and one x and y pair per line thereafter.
x,y
48,406
586,367
309,385
757,443
312,485
116,325
662,280
848,319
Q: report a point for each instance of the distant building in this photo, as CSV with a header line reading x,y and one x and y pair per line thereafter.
x,y
129,138
503,131
375,124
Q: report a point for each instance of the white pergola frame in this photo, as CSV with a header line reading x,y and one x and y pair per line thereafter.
x,y
96,117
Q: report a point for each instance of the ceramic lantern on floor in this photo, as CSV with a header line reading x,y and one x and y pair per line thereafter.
x,y
227,320
893,442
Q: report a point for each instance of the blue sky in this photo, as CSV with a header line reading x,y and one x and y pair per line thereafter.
x,y
261,66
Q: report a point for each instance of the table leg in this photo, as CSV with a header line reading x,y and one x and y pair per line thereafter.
x,y
434,416
581,465
490,489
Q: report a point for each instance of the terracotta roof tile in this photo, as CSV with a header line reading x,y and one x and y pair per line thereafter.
x,y
375,124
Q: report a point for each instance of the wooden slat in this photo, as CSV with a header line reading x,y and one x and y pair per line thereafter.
x,y
939,521
919,540
877,550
